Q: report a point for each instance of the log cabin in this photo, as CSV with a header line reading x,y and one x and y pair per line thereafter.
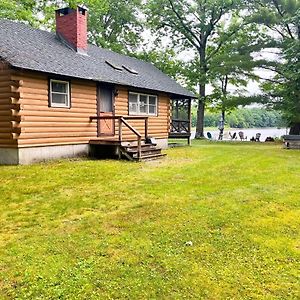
x,y
62,97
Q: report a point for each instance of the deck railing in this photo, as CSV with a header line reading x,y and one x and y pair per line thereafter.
x,y
122,120
180,129
180,126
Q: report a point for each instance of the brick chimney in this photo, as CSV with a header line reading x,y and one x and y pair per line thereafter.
x,y
71,27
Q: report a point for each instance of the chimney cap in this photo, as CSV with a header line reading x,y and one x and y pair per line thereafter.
x,y
83,6
66,10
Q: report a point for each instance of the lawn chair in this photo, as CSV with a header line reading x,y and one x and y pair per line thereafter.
x,y
233,136
242,136
257,137
209,136
269,139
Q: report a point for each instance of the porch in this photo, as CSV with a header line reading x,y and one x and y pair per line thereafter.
x,y
118,138
180,126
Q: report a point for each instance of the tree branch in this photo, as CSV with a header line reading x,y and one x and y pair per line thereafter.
x,y
259,77
185,27
221,43
277,30
274,70
282,15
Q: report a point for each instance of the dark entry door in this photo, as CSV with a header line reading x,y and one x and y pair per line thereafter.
x,y
105,101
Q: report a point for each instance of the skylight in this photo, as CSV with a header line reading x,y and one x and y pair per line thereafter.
x,y
114,66
130,70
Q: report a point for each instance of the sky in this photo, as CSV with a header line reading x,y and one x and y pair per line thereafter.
x,y
252,87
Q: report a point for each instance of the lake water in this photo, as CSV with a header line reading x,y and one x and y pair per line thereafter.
x,y
248,132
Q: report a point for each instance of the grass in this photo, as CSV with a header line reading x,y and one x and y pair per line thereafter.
x,y
85,229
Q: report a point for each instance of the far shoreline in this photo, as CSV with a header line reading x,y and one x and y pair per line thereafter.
x,y
265,132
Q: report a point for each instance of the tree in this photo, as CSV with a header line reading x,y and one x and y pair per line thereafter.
x,y
233,66
113,24
18,10
287,93
166,61
282,17
194,25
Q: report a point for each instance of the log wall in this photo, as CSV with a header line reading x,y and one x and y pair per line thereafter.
x,y
158,126
44,125
8,108
27,120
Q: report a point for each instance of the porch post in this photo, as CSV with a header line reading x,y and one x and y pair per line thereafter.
x,y
139,154
190,120
146,128
120,129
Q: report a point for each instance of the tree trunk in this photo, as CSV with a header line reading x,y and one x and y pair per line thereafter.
x,y
223,115
295,129
200,112
202,93
222,124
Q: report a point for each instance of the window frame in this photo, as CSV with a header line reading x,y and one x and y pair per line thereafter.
x,y
139,113
57,105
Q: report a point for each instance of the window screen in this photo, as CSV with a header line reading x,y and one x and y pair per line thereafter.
x,y
106,99
142,104
59,93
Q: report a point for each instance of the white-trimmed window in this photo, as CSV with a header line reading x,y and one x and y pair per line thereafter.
x,y
142,104
59,93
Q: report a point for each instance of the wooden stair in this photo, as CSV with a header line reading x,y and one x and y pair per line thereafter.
x,y
148,152
114,145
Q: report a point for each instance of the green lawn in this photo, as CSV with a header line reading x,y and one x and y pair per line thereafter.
x,y
87,229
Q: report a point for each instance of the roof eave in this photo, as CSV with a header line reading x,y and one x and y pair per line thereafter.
x,y
188,94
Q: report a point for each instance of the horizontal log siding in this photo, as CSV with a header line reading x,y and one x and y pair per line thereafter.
x,y
26,120
158,126
44,125
8,108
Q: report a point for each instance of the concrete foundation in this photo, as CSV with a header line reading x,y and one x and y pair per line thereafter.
x,y
37,154
162,143
26,156
9,156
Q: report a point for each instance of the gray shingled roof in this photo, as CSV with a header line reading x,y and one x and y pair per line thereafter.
x,y
32,49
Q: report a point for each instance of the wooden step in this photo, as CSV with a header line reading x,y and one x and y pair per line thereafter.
x,y
144,149
143,146
145,153
148,152
133,144
152,157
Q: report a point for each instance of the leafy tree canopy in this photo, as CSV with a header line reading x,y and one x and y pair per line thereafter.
x,y
113,24
18,10
282,17
209,30
244,118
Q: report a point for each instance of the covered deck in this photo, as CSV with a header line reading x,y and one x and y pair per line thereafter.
x,y
180,127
